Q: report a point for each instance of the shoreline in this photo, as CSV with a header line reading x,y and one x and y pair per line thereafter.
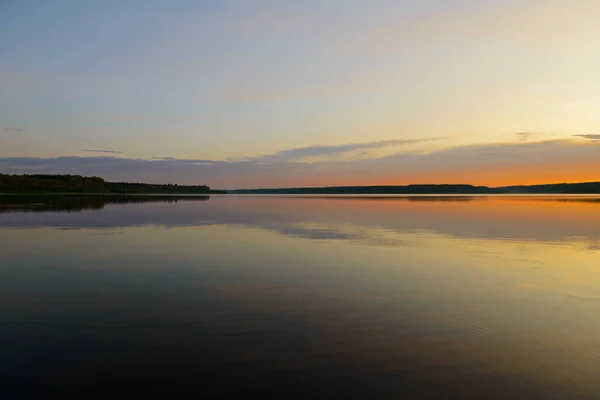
x,y
101,194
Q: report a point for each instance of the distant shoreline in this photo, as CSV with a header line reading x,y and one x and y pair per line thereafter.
x,y
340,195
76,184
106,194
444,189
69,184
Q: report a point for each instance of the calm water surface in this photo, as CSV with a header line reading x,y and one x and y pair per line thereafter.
x,y
453,297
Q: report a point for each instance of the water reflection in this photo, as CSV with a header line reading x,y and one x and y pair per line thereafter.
x,y
366,219
41,203
339,297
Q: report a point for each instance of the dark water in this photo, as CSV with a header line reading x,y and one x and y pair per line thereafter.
x,y
493,298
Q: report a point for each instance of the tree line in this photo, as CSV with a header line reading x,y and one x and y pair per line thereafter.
x,y
82,184
51,183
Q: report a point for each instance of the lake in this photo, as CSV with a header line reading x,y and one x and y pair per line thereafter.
x,y
300,297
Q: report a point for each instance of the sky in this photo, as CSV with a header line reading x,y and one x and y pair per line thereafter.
x,y
277,93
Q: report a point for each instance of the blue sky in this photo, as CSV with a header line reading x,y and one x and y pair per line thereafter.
x,y
295,85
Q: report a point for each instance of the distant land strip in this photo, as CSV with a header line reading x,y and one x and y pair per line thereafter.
x,y
560,188
81,184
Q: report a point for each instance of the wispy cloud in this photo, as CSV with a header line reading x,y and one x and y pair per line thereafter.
x,y
593,138
321,151
524,136
188,161
13,130
103,151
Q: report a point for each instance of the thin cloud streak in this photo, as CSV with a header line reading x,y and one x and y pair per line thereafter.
x,y
188,161
320,151
103,151
593,138
524,136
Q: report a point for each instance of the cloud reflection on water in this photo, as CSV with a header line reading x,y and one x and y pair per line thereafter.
x,y
369,220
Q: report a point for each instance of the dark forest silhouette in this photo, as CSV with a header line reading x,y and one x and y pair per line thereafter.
x,y
82,184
